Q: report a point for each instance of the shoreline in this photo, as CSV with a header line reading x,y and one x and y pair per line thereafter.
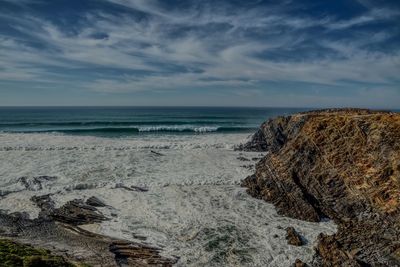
x,y
224,194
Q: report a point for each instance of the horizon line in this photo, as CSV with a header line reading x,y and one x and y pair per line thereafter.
x,y
189,106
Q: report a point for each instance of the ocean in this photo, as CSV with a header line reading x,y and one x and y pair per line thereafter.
x,y
194,208
130,121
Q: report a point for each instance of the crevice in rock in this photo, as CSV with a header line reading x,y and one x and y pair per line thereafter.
x,y
308,196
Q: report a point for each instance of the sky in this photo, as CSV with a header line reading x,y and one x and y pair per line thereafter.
x,y
203,53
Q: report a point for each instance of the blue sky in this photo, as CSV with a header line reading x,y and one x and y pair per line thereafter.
x,y
209,52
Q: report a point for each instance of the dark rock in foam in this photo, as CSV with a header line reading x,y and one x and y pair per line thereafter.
x,y
293,237
95,202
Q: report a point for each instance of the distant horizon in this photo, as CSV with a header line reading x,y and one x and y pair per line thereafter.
x,y
243,107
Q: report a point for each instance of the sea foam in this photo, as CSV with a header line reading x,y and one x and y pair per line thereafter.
x,y
194,207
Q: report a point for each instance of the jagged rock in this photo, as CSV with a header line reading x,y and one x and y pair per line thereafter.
x,y
95,202
74,212
35,183
138,254
299,263
156,153
58,230
45,204
249,166
84,186
140,189
342,164
293,237
241,158
131,188
79,245
257,143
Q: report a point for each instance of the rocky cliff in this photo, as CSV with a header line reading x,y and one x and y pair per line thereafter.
x,y
340,164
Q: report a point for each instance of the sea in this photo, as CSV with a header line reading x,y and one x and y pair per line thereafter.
x,y
134,121
193,207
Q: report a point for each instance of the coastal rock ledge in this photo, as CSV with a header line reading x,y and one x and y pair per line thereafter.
x,y
342,164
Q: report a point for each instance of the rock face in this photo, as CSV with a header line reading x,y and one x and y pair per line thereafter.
x,y
342,164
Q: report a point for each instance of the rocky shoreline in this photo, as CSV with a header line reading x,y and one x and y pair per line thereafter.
x,y
59,231
341,164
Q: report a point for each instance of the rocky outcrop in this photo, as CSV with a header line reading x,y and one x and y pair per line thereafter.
x,y
342,164
60,230
74,212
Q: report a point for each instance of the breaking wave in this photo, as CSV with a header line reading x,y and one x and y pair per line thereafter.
x,y
144,129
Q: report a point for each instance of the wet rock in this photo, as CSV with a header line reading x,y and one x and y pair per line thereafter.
x,y
156,153
293,237
20,214
342,164
35,183
79,245
299,263
249,167
140,189
257,143
131,188
95,202
134,254
84,186
74,212
45,204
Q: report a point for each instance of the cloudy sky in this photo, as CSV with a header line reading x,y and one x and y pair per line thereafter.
x,y
200,52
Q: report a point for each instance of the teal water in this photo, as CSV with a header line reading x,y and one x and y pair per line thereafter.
x,y
127,121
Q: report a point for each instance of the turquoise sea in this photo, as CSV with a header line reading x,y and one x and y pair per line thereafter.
x,y
127,121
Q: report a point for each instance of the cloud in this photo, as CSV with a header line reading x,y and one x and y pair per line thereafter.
x,y
199,46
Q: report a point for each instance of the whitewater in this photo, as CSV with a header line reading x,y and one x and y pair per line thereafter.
x,y
194,208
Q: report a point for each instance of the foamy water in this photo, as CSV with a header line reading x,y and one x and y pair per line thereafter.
x,y
194,209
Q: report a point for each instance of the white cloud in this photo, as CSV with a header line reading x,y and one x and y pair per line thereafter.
x,y
160,52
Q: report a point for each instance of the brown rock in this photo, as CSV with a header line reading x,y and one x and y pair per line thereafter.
x,y
293,237
343,164
299,263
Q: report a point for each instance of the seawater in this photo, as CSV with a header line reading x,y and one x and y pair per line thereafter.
x,y
128,121
194,207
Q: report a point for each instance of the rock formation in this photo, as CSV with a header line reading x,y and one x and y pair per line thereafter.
x,y
342,164
293,237
95,202
59,230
